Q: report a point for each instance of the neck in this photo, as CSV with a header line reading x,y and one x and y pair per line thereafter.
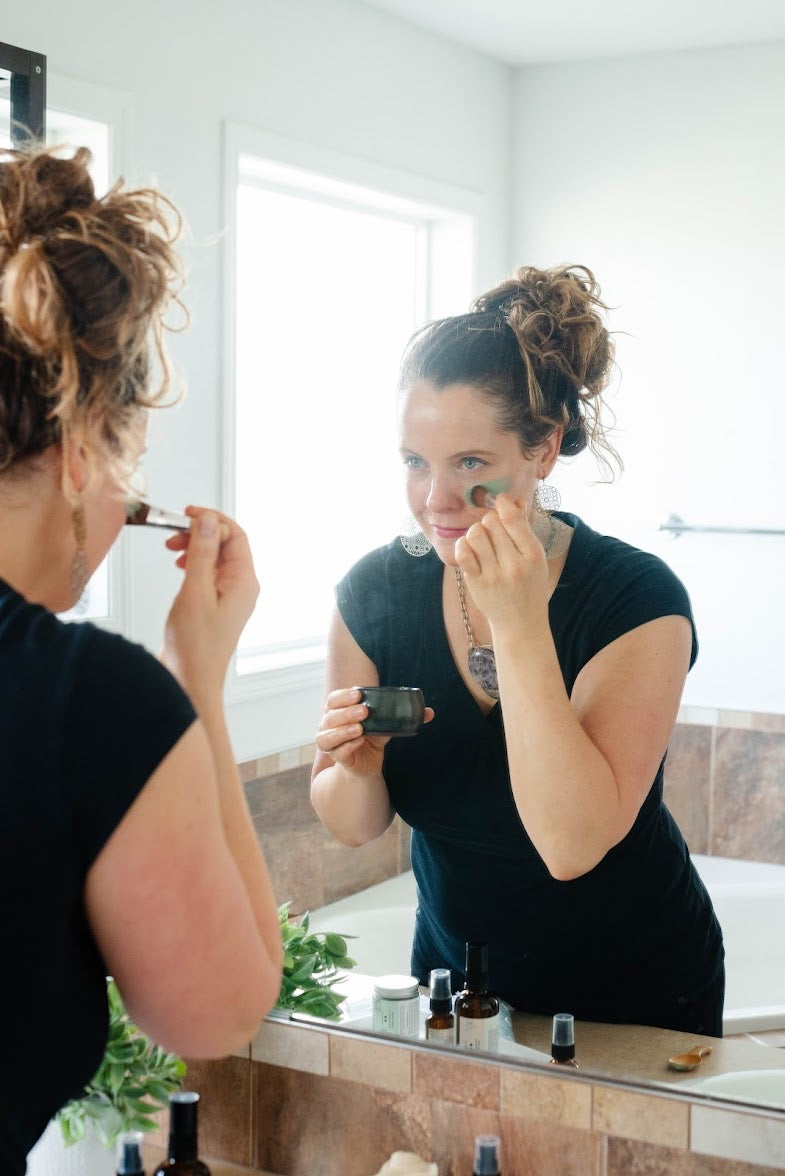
x,y
36,535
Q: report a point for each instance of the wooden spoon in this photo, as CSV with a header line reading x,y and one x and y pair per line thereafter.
x,y
688,1061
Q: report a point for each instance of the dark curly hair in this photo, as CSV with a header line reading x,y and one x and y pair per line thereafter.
x,y
537,347
84,285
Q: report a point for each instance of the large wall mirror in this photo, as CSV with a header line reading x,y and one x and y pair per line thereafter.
x,y
663,170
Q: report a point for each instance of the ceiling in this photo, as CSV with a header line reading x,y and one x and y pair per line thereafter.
x,y
525,32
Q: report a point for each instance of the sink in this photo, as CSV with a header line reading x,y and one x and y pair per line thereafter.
x,y
757,1086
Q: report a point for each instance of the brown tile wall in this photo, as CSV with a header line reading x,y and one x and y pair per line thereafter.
x,y
725,785
311,1103
308,867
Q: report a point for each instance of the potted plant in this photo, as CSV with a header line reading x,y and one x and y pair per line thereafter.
x,y
311,960
131,1085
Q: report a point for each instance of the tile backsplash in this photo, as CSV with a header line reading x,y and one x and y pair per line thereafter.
x,y
725,784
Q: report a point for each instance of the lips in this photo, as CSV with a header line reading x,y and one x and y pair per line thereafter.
x,y
449,532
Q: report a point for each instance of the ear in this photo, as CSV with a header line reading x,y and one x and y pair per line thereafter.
x,y
548,452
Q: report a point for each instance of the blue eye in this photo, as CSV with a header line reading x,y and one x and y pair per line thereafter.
x,y
412,462
473,463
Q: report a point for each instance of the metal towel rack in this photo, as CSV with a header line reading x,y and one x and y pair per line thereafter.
x,y
676,526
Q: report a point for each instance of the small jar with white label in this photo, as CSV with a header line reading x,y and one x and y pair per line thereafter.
x,y
396,1005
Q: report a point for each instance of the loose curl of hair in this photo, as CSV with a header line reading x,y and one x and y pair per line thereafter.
x,y
84,287
537,347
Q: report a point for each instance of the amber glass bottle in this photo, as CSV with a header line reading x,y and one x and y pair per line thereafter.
x,y
476,1009
182,1151
440,1022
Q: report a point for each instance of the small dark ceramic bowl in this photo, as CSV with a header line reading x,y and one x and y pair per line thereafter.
x,y
393,710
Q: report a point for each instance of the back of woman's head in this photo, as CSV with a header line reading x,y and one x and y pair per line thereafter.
x,y
84,283
537,347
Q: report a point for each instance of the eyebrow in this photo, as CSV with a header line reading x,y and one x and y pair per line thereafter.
x,y
489,453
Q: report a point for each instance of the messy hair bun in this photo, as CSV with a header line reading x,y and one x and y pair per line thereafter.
x,y
84,282
537,346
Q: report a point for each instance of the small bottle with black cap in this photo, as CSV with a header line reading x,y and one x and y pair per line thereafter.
x,y
440,1022
129,1154
486,1156
563,1040
182,1151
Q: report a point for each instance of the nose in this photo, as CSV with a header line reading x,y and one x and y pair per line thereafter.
x,y
443,496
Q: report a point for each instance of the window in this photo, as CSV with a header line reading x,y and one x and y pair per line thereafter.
x,y
331,279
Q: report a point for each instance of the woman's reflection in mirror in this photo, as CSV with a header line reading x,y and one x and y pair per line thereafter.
x,y
552,659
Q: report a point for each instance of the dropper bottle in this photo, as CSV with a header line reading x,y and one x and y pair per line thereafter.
x,y
440,1022
486,1156
563,1040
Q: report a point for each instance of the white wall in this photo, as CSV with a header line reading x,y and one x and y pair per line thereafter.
x,y
328,72
666,175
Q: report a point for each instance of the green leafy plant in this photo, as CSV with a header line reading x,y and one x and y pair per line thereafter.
x,y
132,1083
310,966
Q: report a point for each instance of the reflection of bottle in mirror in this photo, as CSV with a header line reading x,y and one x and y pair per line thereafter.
x,y
486,1156
182,1151
476,1010
563,1040
129,1154
440,1022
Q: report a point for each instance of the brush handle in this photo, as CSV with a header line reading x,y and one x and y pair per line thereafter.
x,y
155,516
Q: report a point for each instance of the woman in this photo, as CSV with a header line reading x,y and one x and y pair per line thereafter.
x,y
538,822
127,848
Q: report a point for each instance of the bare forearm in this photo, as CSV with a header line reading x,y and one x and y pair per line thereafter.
x,y
355,809
564,788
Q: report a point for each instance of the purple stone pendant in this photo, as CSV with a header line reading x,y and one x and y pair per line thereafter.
x,y
482,667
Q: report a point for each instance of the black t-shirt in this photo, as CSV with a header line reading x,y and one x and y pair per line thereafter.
x,y
605,946
85,718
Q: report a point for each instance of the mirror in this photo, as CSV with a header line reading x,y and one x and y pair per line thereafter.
x,y
670,187
22,94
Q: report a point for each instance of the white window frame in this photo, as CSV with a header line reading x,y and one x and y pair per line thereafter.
x,y
303,671
113,108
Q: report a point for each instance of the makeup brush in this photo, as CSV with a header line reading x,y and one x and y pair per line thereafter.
x,y
484,493
142,514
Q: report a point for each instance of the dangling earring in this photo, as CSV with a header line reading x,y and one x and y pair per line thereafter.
x,y
547,497
413,540
80,572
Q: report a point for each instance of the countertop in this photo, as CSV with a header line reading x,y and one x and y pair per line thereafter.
x,y
639,1053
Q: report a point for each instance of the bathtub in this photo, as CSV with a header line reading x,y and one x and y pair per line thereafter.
x,y
749,898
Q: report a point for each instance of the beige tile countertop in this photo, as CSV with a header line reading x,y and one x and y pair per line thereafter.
x,y
153,1154
640,1053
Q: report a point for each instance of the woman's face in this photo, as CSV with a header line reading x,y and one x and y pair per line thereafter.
x,y
450,442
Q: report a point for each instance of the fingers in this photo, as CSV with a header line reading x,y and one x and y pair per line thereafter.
x,y
502,534
341,725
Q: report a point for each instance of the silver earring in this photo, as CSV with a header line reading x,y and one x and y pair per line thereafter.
x,y
547,497
412,539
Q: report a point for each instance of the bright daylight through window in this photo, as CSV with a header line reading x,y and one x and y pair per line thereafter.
x,y
331,282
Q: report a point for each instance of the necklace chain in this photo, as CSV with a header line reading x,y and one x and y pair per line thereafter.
x,y
482,662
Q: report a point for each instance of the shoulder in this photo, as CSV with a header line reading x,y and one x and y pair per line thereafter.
x,y
613,563
388,566
614,587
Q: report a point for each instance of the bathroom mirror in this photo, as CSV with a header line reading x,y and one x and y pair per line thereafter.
x,y
671,186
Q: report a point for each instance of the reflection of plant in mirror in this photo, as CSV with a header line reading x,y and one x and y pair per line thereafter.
x,y
310,963
132,1083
